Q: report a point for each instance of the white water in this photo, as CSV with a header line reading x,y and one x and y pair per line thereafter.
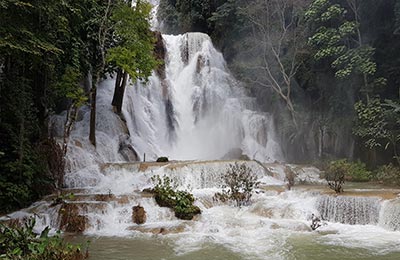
x,y
264,228
199,111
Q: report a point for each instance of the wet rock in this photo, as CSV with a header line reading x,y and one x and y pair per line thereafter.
x,y
126,149
138,215
159,230
160,53
235,154
71,220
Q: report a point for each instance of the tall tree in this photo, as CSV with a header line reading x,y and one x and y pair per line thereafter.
x,y
337,38
278,32
133,51
101,33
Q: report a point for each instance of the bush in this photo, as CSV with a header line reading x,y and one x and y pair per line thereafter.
x,y
335,175
389,174
357,171
180,201
162,159
239,183
353,171
23,243
289,177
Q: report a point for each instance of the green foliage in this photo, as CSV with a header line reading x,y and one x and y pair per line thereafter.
x,y
47,48
69,86
378,124
22,243
239,183
339,171
162,159
181,202
332,38
389,174
133,51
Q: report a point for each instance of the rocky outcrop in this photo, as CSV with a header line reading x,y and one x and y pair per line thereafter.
x,y
138,215
160,52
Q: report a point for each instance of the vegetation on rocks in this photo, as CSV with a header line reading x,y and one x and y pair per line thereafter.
x,y
162,159
181,202
53,54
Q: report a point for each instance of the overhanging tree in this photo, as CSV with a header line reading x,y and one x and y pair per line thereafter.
x,y
134,45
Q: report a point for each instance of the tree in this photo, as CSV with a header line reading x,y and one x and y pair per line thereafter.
x,y
335,175
378,124
397,13
337,38
278,34
100,27
134,46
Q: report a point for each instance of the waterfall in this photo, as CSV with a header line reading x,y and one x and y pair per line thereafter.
x,y
197,112
390,215
349,210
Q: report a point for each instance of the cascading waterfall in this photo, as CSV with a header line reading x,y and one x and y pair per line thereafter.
x,y
390,215
196,111
199,111
349,210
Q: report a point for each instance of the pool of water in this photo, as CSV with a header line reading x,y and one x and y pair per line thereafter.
x,y
277,245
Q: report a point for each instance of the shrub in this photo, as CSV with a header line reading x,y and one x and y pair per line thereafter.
x,y
335,175
181,202
389,174
289,177
357,171
162,159
23,243
239,183
339,171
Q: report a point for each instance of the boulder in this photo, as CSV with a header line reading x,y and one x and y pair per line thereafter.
x,y
138,215
71,220
126,149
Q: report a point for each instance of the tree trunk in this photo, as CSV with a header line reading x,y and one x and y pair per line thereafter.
x,y
92,131
120,84
71,118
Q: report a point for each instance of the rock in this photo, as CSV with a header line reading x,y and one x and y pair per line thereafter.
x,y
126,149
104,197
160,52
159,230
162,159
138,215
235,154
71,220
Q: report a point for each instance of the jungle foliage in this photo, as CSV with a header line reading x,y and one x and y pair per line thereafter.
x,y
50,51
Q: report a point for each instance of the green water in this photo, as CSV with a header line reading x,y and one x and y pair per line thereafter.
x,y
296,247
